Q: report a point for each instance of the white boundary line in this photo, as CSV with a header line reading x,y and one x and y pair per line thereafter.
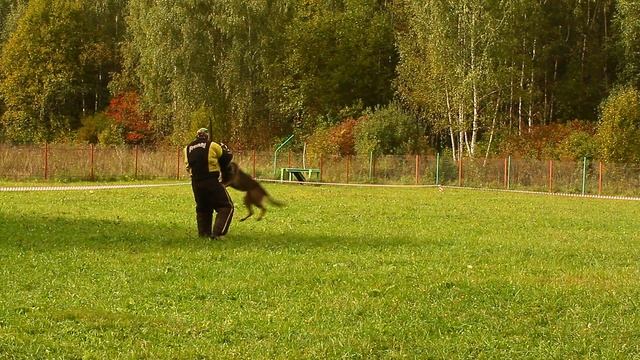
x,y
587,196
107,187
344,184
87,187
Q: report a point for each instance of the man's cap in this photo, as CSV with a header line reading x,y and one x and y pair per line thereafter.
x,y
202,133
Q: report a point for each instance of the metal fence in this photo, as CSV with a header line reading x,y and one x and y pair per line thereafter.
x,y
89,162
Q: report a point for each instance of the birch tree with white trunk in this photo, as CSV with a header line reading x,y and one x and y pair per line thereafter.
x,y
449,65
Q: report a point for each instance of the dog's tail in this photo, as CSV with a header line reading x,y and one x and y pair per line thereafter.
x,y
274,202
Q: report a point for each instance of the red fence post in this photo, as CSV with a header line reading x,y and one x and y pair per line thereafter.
x,y
136,163
46,161
600,168
373,167
505,173
417,169
460,171
550,175
348,163
178,164
92,171
253,155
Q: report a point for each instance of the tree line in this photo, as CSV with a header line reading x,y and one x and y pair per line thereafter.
x,y
469,77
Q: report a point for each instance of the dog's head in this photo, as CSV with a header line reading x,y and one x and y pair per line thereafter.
x,y
229,172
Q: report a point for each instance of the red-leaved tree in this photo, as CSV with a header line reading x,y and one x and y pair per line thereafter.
x,y
125,111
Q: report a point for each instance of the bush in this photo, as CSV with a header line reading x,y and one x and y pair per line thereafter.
x,y
19,127
578,145
388,130
125,111
619,126
112,135
333,140
572,140
92,126
321,143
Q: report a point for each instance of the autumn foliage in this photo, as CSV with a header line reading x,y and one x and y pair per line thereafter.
x,y
343,135
335,140
551,141
125,111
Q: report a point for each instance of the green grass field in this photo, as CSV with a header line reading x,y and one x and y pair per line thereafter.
x,y
338,273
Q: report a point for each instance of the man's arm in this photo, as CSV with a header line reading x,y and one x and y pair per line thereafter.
x,y
186,160
215,151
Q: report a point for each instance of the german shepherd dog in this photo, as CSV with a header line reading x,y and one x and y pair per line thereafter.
x,y
235,178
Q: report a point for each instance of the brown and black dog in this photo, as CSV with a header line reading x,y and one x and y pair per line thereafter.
x,y
237,179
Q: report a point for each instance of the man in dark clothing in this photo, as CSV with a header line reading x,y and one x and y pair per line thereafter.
x,y
202,160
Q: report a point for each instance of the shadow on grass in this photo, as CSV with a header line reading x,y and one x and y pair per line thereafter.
x,y
37,233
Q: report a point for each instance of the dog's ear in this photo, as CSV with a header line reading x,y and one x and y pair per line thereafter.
x,y
226,157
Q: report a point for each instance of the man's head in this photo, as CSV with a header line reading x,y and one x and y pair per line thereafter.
x,y
202,133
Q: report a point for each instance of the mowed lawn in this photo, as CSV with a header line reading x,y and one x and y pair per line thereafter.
x,y
340,272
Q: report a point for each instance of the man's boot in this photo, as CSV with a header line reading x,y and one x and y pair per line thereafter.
x,y
204,224
222,223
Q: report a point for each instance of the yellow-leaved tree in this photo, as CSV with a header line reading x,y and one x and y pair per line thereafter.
x,y
619,126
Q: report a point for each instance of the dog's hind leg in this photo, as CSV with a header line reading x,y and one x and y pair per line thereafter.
x,y
247,203
257,199
263,210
